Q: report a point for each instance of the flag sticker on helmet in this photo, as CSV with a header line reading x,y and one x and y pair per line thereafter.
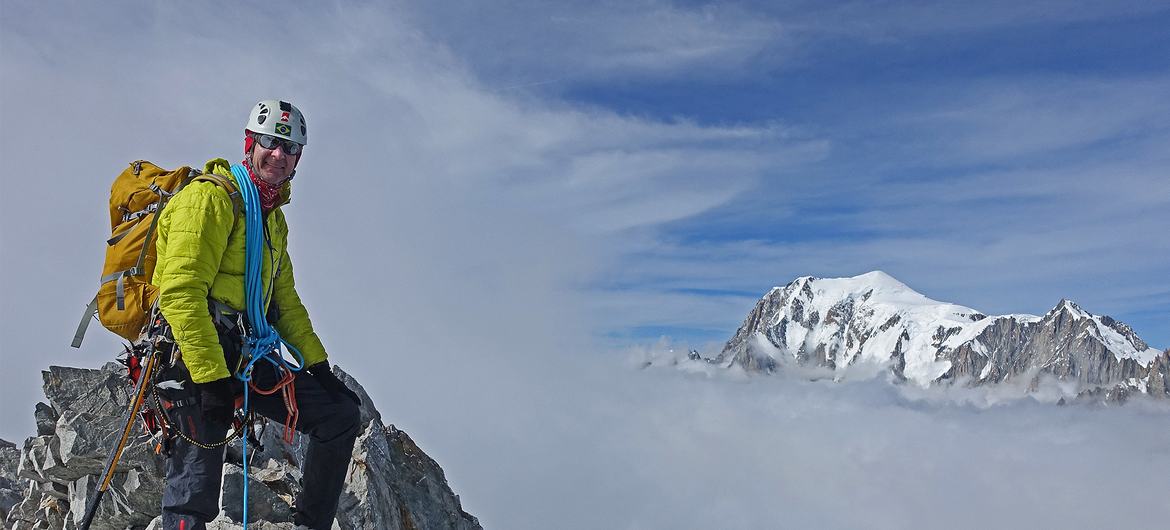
x,y
278,118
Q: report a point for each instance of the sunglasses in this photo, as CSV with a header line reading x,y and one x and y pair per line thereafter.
x,y
268,141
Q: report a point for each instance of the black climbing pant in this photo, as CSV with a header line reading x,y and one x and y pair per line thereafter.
x,y
191,497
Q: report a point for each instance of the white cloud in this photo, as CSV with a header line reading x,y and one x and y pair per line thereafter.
x,y
1005,195
656,449
556,46
426,206
527,44
904,20
998,119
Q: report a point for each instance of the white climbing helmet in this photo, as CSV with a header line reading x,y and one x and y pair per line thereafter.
x,y
278,118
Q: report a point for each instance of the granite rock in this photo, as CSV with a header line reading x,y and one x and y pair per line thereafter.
x,y
46,482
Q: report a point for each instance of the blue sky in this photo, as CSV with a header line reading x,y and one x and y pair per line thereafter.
x,y
998,155
500,199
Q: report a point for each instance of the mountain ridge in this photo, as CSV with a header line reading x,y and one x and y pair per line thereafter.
x,y
834,323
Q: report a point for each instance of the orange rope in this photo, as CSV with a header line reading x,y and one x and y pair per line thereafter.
x,y
287,387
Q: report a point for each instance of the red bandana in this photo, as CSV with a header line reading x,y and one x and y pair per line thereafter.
x,y
269,194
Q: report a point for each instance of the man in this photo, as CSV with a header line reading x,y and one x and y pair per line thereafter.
x,y
201,279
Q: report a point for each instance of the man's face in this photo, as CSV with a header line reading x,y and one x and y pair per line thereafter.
x,y
272,165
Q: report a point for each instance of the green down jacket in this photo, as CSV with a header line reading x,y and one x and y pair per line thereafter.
x,y
201,255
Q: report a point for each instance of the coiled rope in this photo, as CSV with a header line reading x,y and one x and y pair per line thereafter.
x,y
261,341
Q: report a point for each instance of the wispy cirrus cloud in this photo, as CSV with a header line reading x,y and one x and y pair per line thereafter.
x,y
1017,119
1005,194
524,44
419,183
553,47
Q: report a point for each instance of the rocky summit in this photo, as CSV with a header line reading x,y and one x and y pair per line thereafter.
x,y
392,483
833,324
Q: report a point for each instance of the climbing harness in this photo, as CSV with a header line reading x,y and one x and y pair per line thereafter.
x,y
261,341
150,364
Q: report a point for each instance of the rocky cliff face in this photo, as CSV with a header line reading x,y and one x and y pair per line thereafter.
x,y
392,484
834,323
10,486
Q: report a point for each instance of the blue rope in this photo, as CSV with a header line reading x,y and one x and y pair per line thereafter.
x,y
261,341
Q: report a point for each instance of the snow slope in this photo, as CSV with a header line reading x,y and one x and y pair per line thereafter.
x,y
874,318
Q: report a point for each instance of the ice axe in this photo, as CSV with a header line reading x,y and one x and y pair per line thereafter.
x,y
131,418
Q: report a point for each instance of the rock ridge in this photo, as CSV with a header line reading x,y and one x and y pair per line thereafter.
x,y
391,483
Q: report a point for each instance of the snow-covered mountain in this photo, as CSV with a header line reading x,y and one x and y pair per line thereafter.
x,y
873,318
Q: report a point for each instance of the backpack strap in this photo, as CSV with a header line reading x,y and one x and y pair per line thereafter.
x,y
228,185
90,311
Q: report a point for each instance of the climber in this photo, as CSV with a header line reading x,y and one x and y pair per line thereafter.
x,y
201,277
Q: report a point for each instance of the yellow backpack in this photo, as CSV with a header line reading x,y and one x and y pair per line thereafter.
x,y
137,197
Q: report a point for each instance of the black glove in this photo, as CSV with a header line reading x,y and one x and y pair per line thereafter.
x,y
217,399
331,383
